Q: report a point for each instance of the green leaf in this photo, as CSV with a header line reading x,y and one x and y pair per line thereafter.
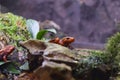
x,y
33,27
25,66
11,68
3,62
41,34
52,30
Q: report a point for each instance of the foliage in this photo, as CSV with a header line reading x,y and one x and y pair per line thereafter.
x,y
33,27
113,50
9,67
109,57
14,27
25,66
41,34
94,60
2,62
18,28
36,32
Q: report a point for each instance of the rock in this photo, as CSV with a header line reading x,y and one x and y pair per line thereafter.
x,y
48,24
35,47
40,51
48,71
27,76
50,64
53,71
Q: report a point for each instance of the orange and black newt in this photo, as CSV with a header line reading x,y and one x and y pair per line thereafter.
x,y
65,41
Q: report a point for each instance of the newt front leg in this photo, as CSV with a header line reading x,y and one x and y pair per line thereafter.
x,y
5,58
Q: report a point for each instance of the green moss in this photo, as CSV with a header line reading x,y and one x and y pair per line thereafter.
x,y
14,27
113,50
109,57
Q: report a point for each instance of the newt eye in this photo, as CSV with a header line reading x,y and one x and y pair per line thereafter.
x,y
68,38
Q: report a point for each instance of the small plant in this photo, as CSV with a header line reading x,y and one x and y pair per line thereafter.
x,y
113,50
36,32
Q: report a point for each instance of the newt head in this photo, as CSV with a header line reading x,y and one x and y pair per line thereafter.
x,y
68,40
8,49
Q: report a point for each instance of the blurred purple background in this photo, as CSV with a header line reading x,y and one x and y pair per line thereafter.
x,y
91,22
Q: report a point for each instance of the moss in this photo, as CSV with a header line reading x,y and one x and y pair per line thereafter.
x,y
109,59
14,27
113,50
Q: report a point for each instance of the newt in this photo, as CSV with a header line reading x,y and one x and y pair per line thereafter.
x,y
4,52
65,41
